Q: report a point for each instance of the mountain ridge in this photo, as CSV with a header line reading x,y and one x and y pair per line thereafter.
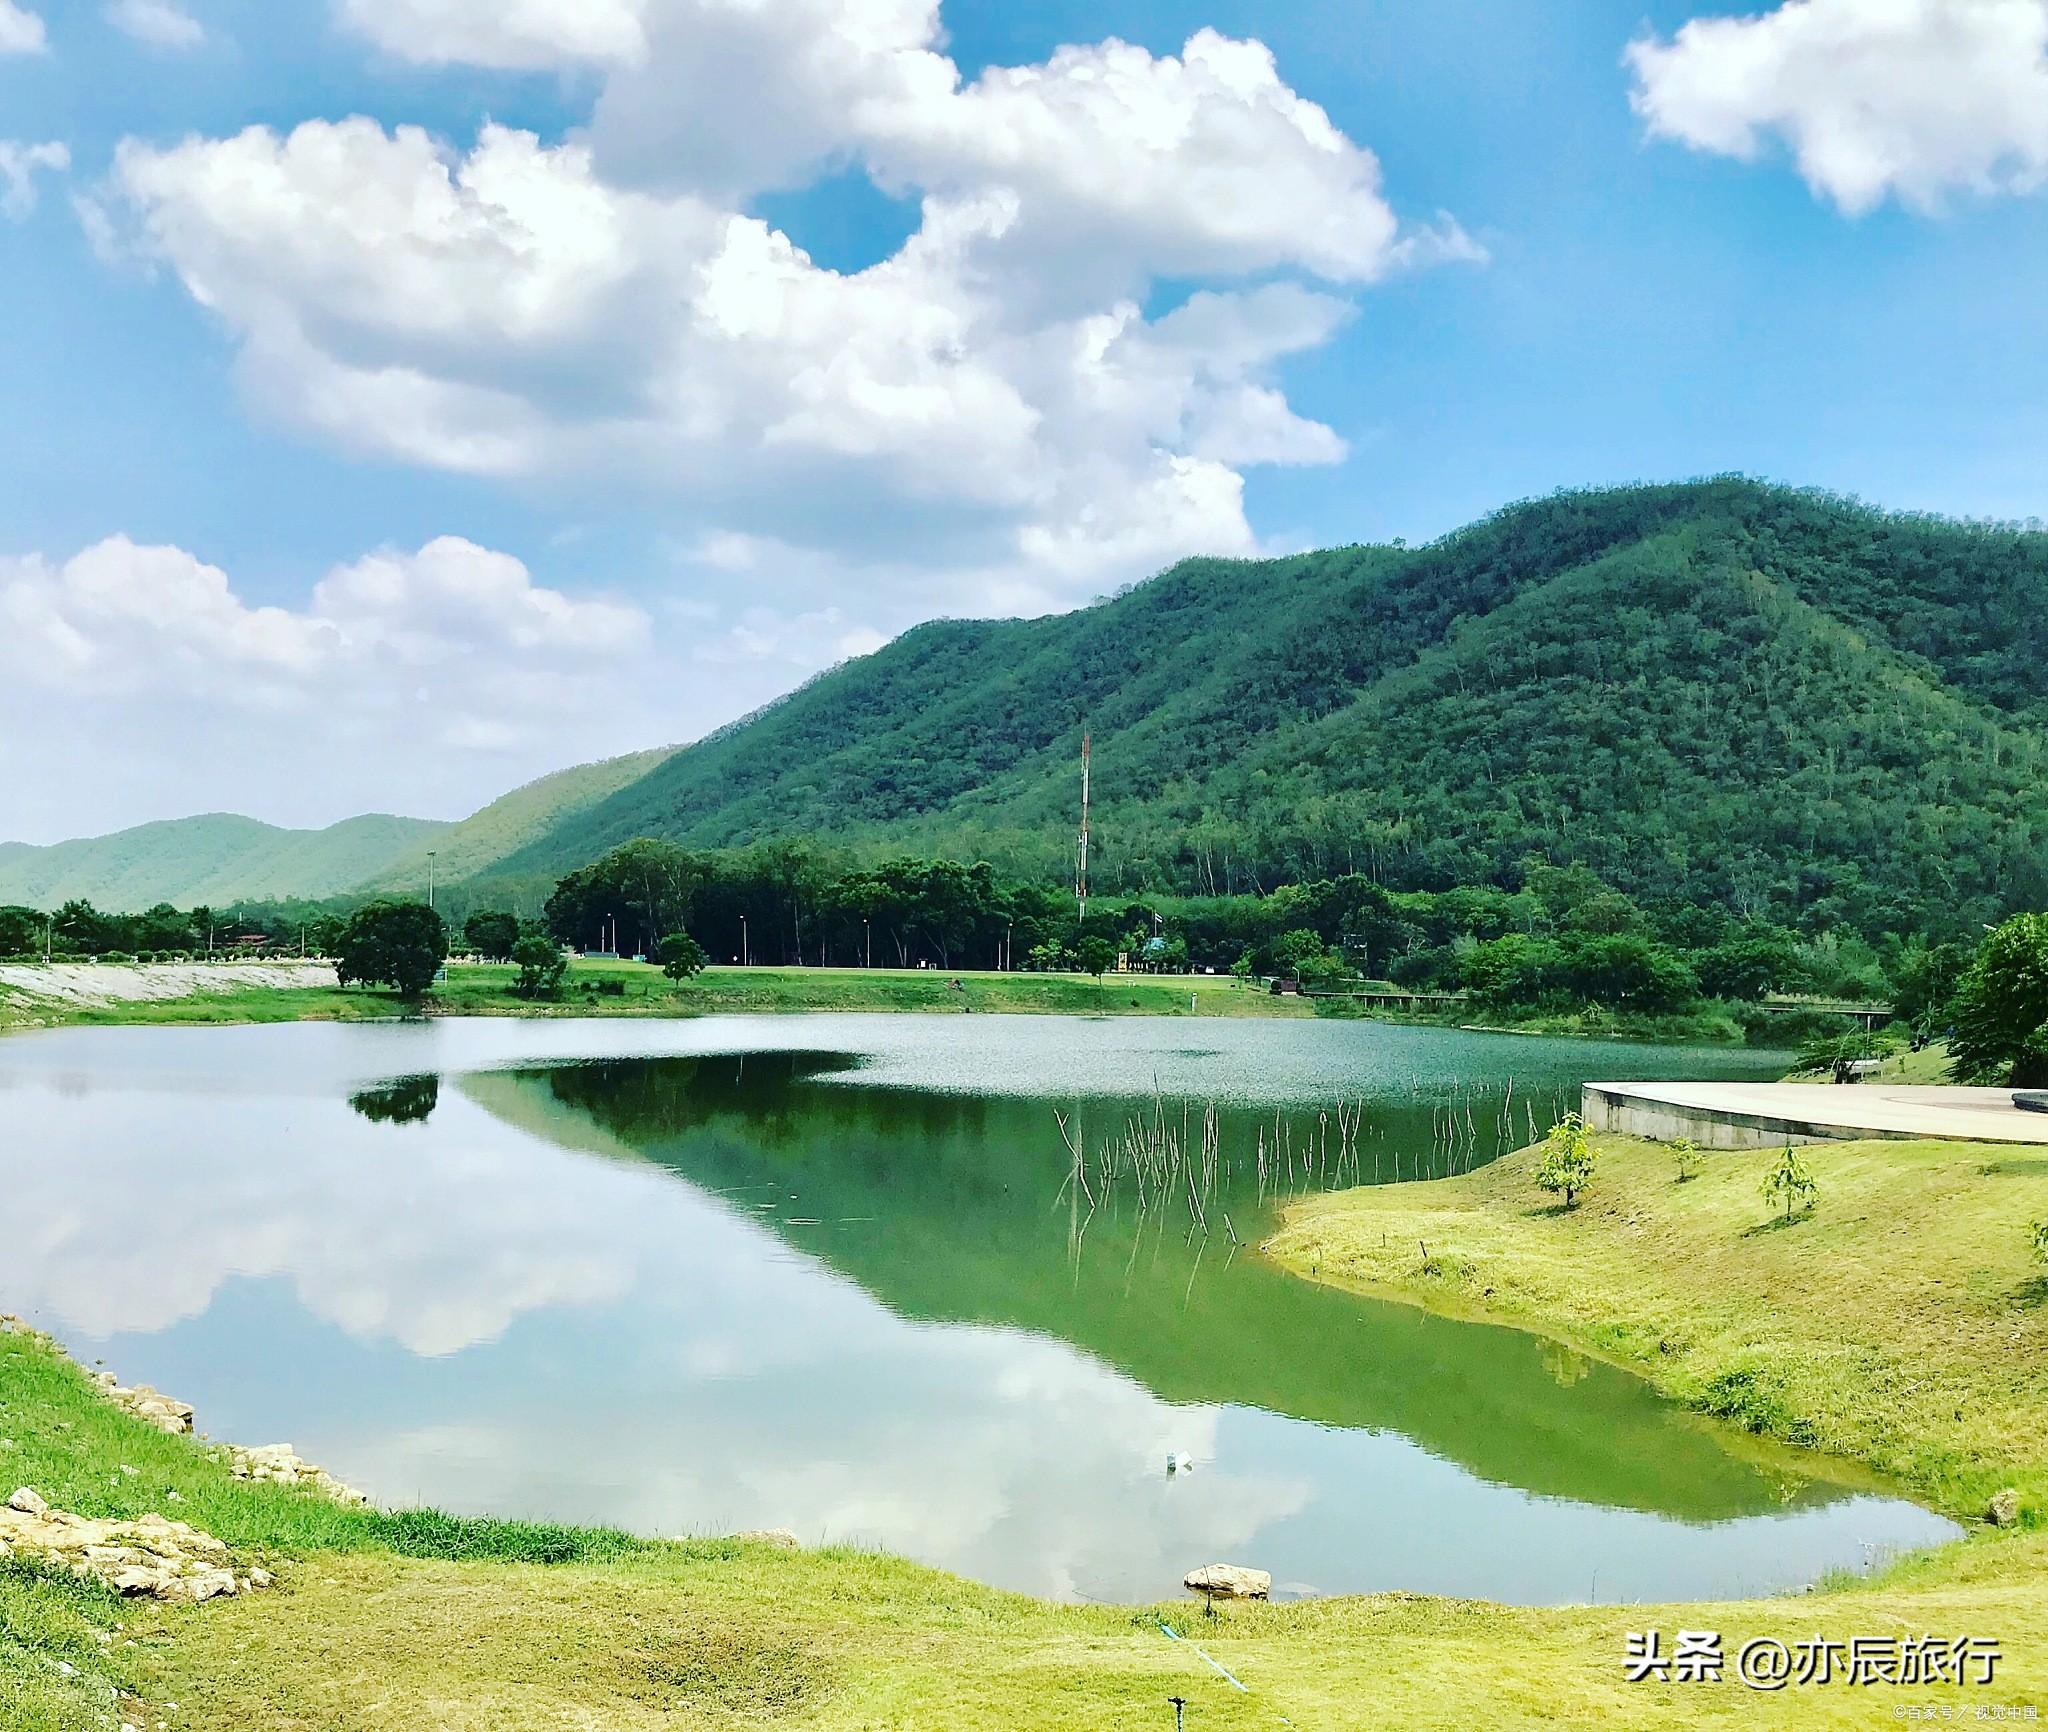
x,y
1765,696
209,858
1772,699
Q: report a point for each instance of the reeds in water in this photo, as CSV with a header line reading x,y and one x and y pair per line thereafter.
x,y
1173,1156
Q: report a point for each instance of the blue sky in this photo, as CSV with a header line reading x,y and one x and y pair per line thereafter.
x,y
1706,279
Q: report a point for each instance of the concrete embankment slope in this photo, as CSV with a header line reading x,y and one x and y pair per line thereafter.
x,y
1759,1115
72,985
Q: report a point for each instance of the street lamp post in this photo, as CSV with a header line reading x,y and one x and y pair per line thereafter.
x,y
867,933
746,953
431,884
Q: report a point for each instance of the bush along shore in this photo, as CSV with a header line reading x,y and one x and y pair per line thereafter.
x,y
1894,1314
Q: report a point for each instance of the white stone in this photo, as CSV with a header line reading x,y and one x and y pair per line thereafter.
x,y
1230,1582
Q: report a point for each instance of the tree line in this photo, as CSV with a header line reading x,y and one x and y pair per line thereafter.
x,y
1560,936
1561,939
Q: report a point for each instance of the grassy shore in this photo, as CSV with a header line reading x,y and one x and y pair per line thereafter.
x,y
639,989
1902,1321
408,1621
605,988
1901,1324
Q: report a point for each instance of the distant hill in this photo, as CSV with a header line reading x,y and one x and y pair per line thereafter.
x,y
214,859
516,820
1726,691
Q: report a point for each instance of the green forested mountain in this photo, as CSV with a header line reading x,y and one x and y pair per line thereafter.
x,y
213,859
1770,699
1774,701
515,820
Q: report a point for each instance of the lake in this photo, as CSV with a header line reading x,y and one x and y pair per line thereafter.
x,y
833,1273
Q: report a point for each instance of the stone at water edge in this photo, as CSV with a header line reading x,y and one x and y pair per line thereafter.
x,y
2004,1508
771,1537
1229,1582
165,1412
152,1557
279,1464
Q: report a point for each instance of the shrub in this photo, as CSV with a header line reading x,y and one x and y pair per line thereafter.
x,y
1685,1153
541,967
1568,1160
1790,1184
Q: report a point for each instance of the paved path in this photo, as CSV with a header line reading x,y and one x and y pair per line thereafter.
x,y
1755,1113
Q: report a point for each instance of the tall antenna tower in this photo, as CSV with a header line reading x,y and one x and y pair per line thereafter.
x,y
1081,875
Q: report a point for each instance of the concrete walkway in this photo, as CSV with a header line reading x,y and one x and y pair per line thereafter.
x,y
1759,1115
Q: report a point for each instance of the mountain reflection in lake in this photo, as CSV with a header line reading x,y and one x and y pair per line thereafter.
x,y
820,1273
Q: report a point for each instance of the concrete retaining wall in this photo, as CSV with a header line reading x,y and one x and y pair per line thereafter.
x,y
1634,1116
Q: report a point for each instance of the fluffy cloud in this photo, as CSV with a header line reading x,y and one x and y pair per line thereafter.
x,y
21,31
422,681
18,165
160,23
120,619
991,402
1913,99
514,34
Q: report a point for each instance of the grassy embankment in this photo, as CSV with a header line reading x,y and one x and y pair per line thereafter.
x,y
640,989
1901,1323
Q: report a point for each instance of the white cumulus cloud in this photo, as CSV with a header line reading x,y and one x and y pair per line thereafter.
x,y
514,34
138,681
19,164
21,31
160,23
1913,99
991,402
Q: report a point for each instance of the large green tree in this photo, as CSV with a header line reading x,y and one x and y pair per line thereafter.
x,y
395,944
21,932
492,933
2001,1007
682,957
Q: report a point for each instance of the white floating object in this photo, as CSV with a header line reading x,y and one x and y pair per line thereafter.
x,y
1179,1461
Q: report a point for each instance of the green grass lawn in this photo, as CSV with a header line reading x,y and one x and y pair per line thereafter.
x,y
917,990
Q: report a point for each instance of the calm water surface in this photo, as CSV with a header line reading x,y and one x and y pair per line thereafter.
x,y
824,1273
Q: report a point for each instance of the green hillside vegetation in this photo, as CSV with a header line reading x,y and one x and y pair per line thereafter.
x,y
213,859
1776,702
516,820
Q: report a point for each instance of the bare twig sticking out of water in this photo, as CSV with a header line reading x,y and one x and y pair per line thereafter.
x,y
1165,1161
